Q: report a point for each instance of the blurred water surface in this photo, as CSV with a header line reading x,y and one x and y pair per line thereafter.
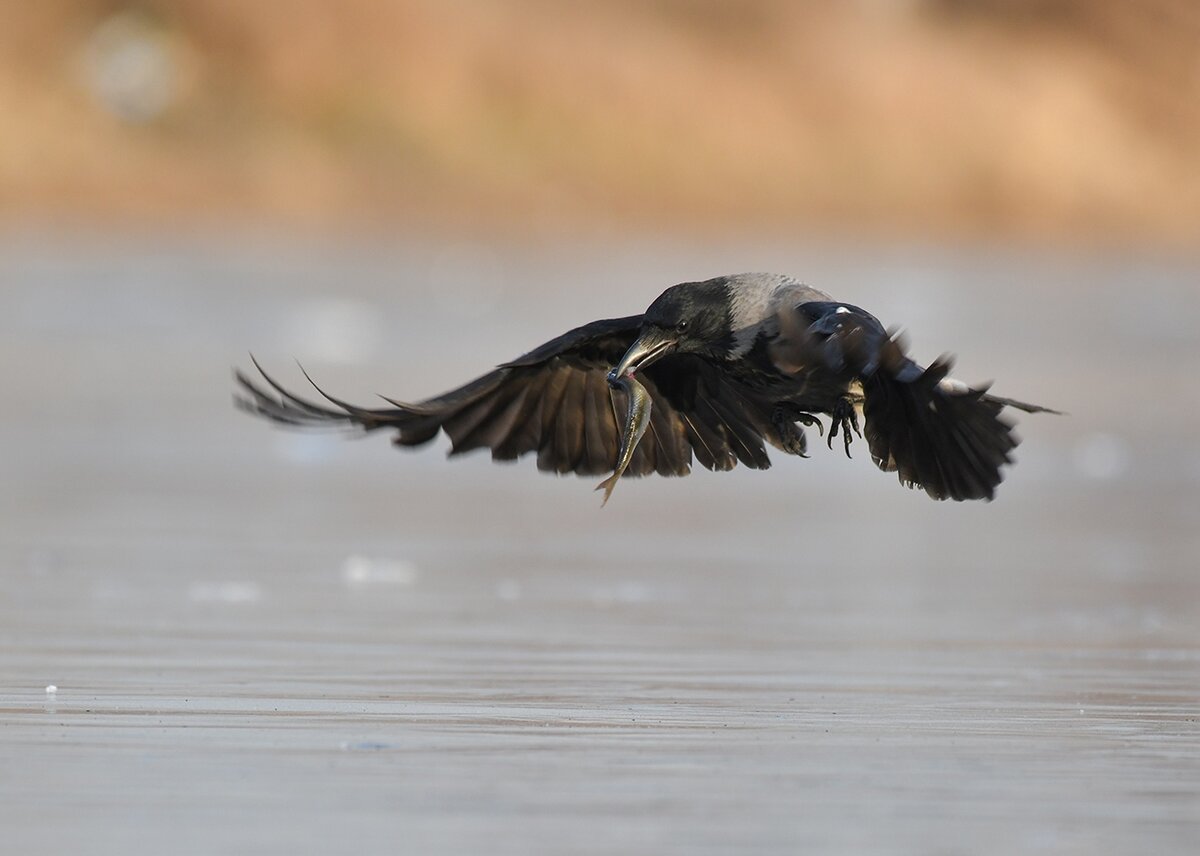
x,y
269,642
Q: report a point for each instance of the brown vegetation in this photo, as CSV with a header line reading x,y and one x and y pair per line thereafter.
x,y
1029,118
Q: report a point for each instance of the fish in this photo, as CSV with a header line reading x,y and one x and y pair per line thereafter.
x,y
637,420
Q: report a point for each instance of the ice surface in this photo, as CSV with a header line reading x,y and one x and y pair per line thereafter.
x,y
353,648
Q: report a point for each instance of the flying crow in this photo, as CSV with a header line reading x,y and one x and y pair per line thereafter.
x,y
730,365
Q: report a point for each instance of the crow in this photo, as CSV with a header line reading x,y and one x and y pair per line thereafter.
x,y
731,365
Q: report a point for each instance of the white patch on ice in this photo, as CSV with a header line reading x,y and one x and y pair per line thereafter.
x,y
1101,456
366,570
333,330
509,590
306,448
51,689
623,593
230,591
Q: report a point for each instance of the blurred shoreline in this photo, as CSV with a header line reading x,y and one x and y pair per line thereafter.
x,y
1039,121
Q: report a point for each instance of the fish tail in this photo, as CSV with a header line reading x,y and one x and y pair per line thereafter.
x,y
607,486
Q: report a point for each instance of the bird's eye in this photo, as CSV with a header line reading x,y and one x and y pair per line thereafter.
x,y
681,326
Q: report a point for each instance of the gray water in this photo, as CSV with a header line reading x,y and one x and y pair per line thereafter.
x,y
278,643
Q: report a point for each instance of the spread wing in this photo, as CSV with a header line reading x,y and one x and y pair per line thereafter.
x,y
555,401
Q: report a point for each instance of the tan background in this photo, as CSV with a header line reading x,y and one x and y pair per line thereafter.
x,y
1038,119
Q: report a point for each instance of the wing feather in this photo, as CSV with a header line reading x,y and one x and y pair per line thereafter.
x,y
600,426
568,425
524,432
554,401
548,407
503,435
669,432
471,426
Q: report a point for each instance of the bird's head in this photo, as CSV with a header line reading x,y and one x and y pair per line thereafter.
x,y
691,318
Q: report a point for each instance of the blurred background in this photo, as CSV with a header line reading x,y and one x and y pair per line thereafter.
x,y
220,637
1043,120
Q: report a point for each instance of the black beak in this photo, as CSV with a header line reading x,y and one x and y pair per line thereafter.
x,y
648,347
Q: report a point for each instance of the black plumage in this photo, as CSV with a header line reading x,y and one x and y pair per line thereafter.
x,y
731,365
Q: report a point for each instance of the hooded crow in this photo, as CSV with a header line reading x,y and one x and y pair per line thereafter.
x,y
730,365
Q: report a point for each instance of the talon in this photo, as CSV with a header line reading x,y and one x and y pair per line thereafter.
x,y
791,438
810,421
844,418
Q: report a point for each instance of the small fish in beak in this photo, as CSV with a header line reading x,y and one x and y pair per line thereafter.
x,y
648,347
637,420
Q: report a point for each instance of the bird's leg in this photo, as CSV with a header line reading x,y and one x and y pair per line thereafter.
x,y
843,417
791,438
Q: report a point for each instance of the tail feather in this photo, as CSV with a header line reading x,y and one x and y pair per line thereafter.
x,y
936,433
951,444
1020,405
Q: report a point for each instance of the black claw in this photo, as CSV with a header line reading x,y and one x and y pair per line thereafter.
x,y
791,438
811,421
843,419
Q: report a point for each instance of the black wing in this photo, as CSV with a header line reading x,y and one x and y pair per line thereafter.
x,y
949,439
555,401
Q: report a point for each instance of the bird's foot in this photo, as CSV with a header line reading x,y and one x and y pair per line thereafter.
x,y
843,418
807,419
791,438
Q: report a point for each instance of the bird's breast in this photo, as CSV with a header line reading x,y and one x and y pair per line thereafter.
x,y
811,387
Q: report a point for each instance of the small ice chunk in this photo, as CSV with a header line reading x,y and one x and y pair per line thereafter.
x,y
51,689
230,591
367,570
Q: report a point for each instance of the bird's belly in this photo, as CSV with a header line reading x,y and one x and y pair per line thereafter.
x,y
815,390
821,396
